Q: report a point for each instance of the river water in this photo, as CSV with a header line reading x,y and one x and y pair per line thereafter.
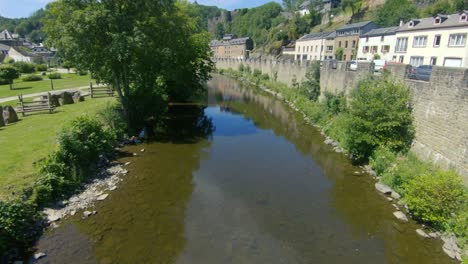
x,y
241,180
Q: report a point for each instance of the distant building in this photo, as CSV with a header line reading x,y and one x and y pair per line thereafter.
x,y
379,42
9,39
17,54
311,46
329,52
6,35
347,38
439,40
232,47
304,8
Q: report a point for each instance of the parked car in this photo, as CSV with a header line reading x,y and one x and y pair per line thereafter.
x,y
422,72
353,65
379,65
333,62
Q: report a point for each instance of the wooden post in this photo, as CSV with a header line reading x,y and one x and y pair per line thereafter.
x,y
91,89
52,84
48,102
20,97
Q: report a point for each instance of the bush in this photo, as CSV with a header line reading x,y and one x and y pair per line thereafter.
x,y
241,67
310,88
81,72
247,69
433,197
112,117
265,77
17,225
380,115
8,60
54,75
335,104
382,159
459,225
41,67
24,67
32,78
80,146
3,82
257,73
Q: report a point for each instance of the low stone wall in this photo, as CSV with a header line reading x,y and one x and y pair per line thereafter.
x,y
440,106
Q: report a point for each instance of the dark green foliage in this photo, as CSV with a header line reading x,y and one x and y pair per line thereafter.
x,y
339,53
8,73
433,197
54,75
80,146
459,225
257,73
392,11
219,31
247,69
444,7
311,86
334,104
112,118
32,78
241,67
380,115
265,77
30,28
24,67
41,67
17,225
382,159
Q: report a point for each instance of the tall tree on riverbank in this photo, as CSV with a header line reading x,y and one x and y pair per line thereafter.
x,y
150,51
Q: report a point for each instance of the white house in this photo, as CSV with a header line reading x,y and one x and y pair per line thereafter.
x,y
439,40
379,42
311,46
19,55
6,35
304,8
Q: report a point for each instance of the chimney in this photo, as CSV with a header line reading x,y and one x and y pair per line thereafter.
x,y
401,22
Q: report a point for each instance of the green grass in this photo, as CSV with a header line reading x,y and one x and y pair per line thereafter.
x,y
69,80
32,139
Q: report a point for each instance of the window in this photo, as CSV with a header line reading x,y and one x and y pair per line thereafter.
x,y
463,18
437,40
419,41
382,38
298,57
303,49
367,39
385,48
365,49
329,48
316,48
304,57
401,59
344,57
374,49
433,60
401,45
437,20
354,44
307,48
339,44
415,61
457,40
346,44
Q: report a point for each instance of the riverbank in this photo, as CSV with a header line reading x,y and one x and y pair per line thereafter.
x,y
388,166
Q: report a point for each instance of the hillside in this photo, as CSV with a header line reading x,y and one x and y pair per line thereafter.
x,y
30,28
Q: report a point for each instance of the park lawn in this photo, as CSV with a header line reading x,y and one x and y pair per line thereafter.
x,y
31,139
69,80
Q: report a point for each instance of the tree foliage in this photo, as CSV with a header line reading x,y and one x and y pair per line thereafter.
x,y
150,51
9,73
379,115
390,13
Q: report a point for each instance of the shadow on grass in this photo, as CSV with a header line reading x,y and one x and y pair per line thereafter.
x,y
21,88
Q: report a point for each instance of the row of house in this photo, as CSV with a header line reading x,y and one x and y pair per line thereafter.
x,y
21,50
439,40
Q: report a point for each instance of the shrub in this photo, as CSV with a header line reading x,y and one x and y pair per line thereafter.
x,y
311,86
406,168
49,187
459,225
8,60
24,67
382,159
3,82
221,71
80,146
247,69
8,74
241,67
32,78
17,228
54,75
265,77
433,197
335,104
41,67
380,115
112,117
257,73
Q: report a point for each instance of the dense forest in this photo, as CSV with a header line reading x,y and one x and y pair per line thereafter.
x,y
30,28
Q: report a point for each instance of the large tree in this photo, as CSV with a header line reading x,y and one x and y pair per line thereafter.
x,y
393,11
150,51
9,73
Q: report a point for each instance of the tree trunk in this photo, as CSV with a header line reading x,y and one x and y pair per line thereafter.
x,y
123,99
11,85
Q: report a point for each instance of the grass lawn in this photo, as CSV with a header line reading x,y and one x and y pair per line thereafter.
x,y
32,139
69,80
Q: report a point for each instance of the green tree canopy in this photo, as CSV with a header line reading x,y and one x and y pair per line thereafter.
x,y
393,11
150,51
9,73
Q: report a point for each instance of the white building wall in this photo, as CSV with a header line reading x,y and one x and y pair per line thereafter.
x,y
379,42
441,53
312,49
12,53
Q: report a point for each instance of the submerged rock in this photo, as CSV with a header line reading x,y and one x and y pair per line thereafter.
x,y
39,255
102,197
422,233
400,216
395,195
383,188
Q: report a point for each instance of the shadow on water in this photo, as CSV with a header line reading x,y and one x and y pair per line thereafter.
x,y
143,220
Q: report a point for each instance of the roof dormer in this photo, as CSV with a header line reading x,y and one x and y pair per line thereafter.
x,y
439,19
464,16
413,22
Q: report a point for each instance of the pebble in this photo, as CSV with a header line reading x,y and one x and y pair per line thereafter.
x,y
389,199
395,195
134,154
72,213
127,163
400,216
102,197
383,188
113,188
39,255
422,233
142,150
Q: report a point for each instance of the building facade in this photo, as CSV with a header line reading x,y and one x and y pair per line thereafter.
x,y
347,38
231,47
439,40
311,47
377,44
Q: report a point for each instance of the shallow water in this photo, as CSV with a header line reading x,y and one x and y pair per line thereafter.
x,y
243,180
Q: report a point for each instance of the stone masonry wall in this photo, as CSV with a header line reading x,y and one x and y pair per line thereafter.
x,y
440,106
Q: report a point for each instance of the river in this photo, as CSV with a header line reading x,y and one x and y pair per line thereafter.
x,y
241,180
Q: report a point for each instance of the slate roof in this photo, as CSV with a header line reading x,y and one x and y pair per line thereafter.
x,y
381,32
428,22
312,36
354,25
4,47
237,41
